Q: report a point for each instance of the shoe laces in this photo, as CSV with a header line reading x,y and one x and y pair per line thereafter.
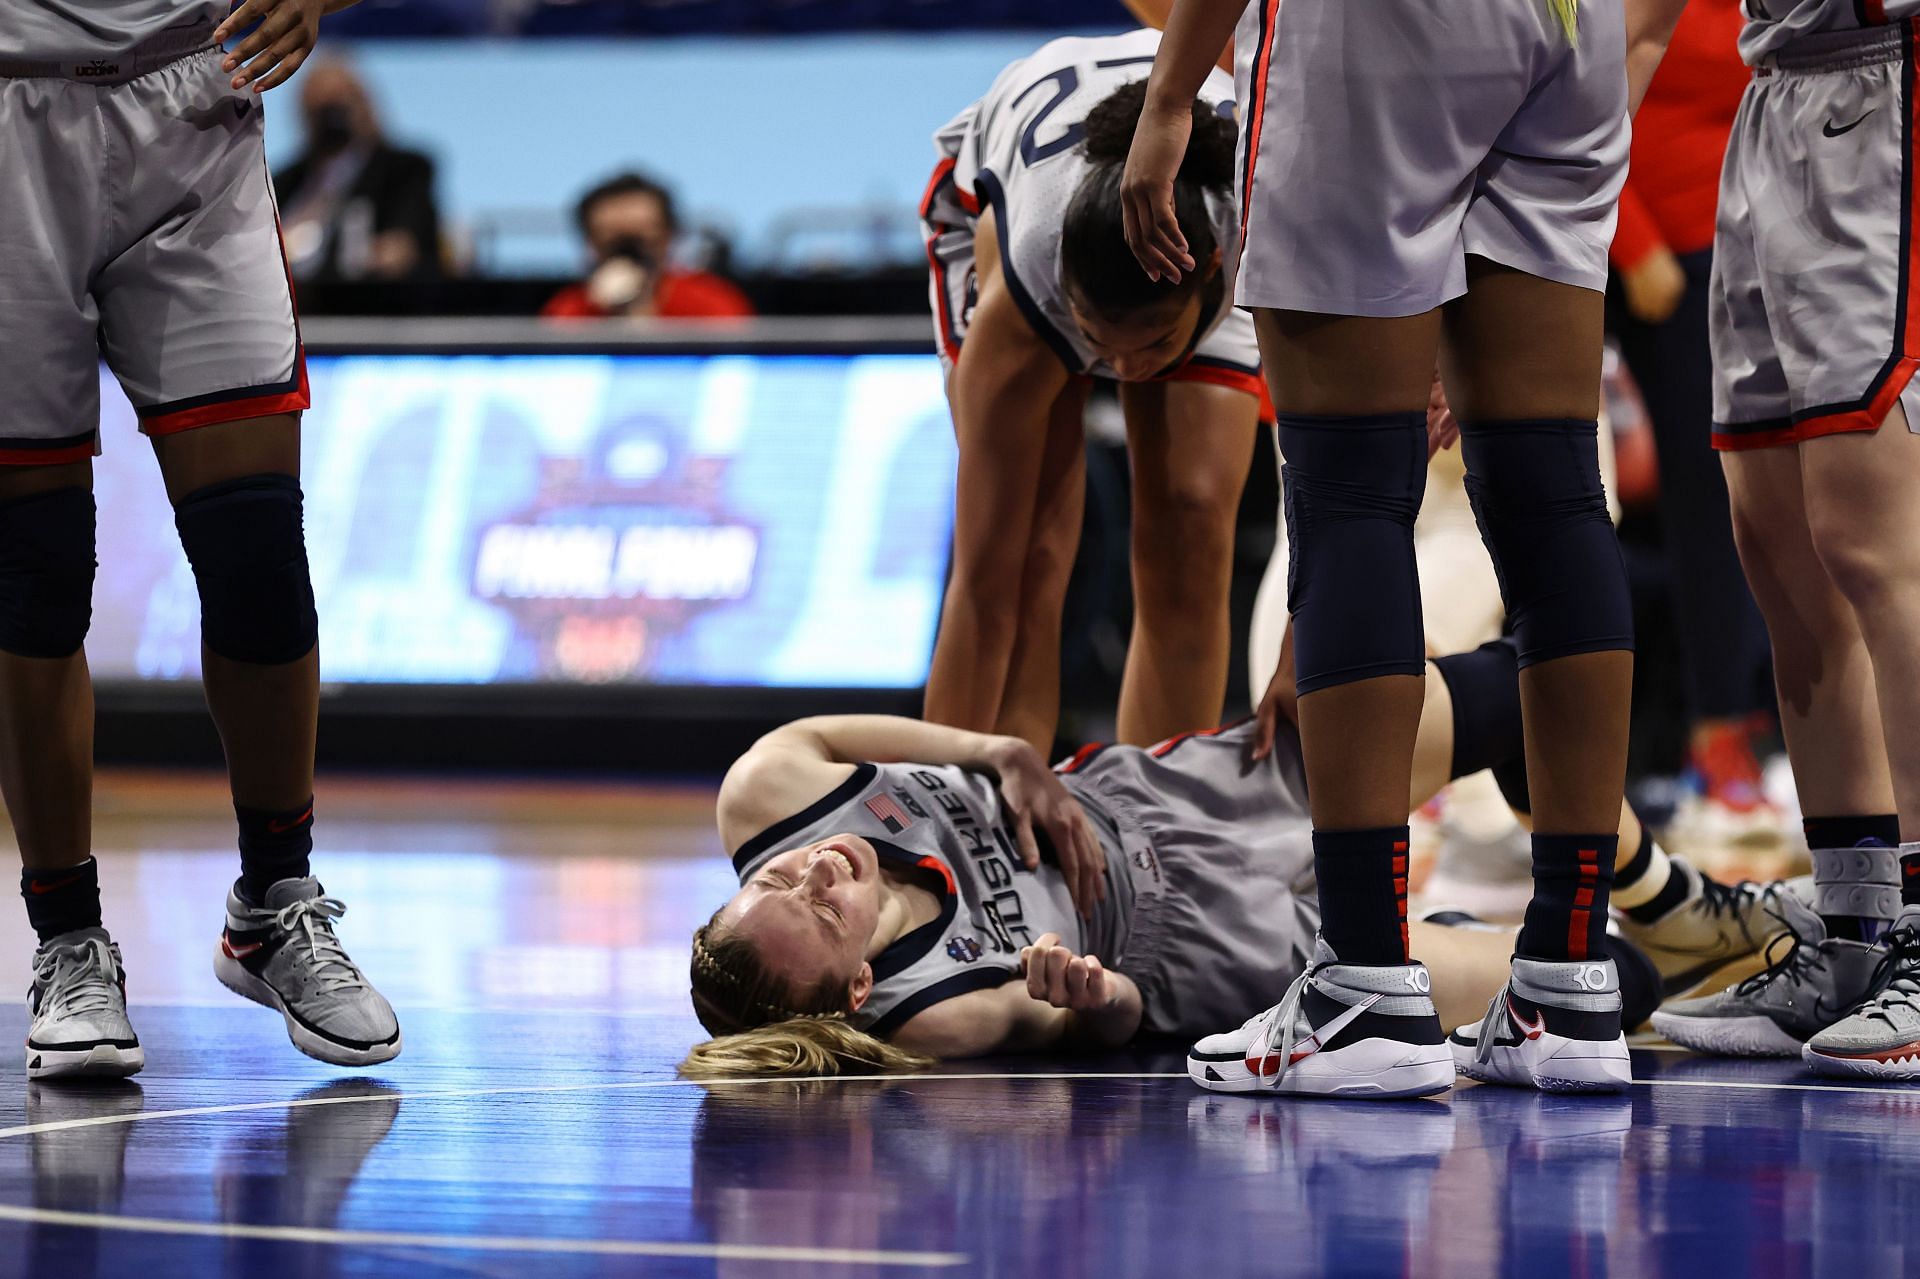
x,y
1793,965
1281,1030
1717,899
1896,979
311,921
77,979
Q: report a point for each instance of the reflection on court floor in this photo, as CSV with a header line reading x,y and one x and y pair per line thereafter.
x,y
534,942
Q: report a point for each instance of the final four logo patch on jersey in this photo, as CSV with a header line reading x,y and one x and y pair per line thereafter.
x,y
891,815
965,949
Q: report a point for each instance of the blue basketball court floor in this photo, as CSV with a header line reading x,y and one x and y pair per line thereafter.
x,y
534,941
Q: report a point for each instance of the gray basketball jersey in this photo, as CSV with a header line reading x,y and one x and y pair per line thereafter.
x,y
1017,151
1772,25
1210,908
81,31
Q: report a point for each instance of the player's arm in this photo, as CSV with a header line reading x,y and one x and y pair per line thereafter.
x,y
793,766
1003,389
1197,31
1065,1002
1650,25
284,33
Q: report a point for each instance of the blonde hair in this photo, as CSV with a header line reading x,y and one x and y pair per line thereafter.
x,y
762,1027
1567,14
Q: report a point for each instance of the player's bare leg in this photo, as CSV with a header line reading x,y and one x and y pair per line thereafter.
x,y
1861,491
1829,704
1189,445
1030,704
236,498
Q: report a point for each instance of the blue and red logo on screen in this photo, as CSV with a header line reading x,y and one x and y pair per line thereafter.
x,y
891,815
965,949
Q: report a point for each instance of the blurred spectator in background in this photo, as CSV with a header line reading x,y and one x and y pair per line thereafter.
x,y
353,206
1662,254
630,225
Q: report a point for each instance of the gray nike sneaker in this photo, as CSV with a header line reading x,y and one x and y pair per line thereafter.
x,y
78,1002
1881,1038
1711,927
1810,984
285,955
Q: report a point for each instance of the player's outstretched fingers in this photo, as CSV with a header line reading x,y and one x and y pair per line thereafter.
x,y
290,62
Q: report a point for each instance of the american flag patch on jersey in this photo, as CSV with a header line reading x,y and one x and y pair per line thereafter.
x,y
891,815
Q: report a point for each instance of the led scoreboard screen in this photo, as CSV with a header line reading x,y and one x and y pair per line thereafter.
x,y
636,519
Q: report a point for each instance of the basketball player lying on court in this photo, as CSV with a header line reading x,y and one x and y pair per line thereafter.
x,y
913,891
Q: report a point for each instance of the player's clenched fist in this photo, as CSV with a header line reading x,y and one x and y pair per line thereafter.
x,y
1065,980
284,32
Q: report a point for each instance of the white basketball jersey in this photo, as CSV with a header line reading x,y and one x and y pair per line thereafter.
x,y
1017,151
1772,25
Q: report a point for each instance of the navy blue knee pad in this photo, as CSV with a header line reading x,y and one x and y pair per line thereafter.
x,y
1352,490
1537,496
1485,684
46,573
249,555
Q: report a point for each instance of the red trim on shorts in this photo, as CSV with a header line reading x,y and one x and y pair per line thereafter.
x,y
47,457
1081,756
235,410
1876,11
1221,375
1257,111
1899,372
943,313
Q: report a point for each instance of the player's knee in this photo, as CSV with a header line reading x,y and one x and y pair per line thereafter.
x,y
1864,566
1542,510
245,542
1352,491
46,573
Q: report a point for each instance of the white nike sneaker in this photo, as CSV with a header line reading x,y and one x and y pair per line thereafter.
x,y
285,955
78,1002
1556,1027
1343,1030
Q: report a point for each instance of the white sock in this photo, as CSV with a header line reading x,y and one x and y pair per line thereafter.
x,y
1650,884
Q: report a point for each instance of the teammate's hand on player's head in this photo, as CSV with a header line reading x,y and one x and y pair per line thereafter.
x,y
1057,976
1146,193
284,33
1035,796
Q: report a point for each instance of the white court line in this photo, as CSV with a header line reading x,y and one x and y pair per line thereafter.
x,y
481,1243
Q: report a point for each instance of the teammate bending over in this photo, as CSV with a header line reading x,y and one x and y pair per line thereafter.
x,y
901,909
1420,180
1034,295
137,223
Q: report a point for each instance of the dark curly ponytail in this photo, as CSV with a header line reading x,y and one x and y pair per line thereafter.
x,y
1098,266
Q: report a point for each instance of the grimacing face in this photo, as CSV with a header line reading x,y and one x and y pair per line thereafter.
x,y
812,913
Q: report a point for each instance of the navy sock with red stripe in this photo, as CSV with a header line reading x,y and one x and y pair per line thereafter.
x,y
1363,893
63,900
273,846
1572,876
